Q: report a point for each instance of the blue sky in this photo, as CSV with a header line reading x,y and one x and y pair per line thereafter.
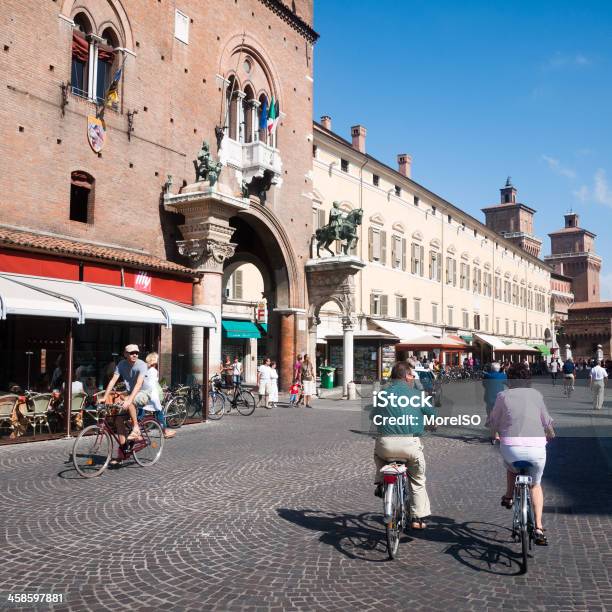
x,y
476,91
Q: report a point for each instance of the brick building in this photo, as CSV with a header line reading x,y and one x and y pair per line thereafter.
x,y
98,203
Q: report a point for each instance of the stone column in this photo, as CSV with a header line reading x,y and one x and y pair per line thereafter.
x,y
348,327
313,323
287,349
240,126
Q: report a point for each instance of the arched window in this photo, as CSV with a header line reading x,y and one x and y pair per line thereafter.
x,y
231,107
81,196
94,59
79,79
106,61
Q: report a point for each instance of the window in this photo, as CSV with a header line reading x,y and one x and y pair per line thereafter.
x,y
449,315
451,271
486,322
435,266
466,319
434,313
417,309
515,327
181,26
398,191
464,276
398,252
378,304
475,234
530,330
416,200
401,307
417,257
315,150
523,329
375,180
318,218
79,77
476,321
81,197
463,225
237,285
507,327
496,325
450,219
433,211
344,165
377,245
477,280
498,288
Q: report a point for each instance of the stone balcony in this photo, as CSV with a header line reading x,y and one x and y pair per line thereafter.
x,y
252,159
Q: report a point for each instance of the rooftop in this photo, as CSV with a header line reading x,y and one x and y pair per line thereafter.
x,y
47,243
591,306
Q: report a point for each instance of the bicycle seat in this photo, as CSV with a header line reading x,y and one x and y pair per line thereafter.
x,y
522,465
394,468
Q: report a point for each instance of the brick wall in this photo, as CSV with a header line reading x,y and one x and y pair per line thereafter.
x,y
173,87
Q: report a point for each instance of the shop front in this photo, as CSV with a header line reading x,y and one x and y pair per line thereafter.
x,y
62,334
246,340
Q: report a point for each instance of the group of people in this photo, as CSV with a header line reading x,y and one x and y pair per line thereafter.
x,y
516,414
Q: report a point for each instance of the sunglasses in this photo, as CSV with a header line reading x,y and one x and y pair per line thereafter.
x,y
134,353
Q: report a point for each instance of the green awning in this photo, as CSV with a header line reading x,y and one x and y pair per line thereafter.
x,y
240,329
467,337
542,348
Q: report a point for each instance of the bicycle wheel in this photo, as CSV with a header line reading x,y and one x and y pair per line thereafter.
x,y
91,452
524,530
393,526
148,450
216,406
176,412
245,402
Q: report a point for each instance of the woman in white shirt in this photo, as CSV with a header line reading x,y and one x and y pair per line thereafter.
x,y
273,386
263,378
151,386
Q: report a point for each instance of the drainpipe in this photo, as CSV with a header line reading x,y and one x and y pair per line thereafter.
x,y
361,232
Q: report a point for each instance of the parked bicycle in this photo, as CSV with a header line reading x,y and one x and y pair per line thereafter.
x,y
237,397
523,522
396,498
93,448
175,408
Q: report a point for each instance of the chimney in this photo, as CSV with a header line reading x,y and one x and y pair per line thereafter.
x,y
326,122
404,164
358,133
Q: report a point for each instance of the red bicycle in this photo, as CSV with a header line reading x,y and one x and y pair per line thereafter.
x,y
93,448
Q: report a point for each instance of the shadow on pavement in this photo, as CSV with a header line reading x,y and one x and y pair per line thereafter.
x,y
354,535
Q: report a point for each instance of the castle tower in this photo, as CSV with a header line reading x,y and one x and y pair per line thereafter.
x,y
573,254
513,220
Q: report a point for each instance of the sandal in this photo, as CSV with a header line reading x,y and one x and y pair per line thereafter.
x,y
418,523
506,502
539,538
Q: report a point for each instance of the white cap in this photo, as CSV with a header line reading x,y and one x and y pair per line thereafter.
x,y
132,348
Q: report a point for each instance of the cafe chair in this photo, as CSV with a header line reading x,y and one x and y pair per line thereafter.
x,y
38,411
8,404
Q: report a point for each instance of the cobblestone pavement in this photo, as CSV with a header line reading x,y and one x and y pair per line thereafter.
x,y
276,511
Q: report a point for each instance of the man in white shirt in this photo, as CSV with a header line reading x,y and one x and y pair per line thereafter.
x,y
263,381
554,370
237,371
599,377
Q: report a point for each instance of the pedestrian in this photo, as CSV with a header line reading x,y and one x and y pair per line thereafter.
x,y
554,370
297,368
273,386
493,382
237,371
308,381
151,385
294,392
598,380
227,370
263,378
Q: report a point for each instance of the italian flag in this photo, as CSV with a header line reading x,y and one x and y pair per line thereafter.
x,y
273,115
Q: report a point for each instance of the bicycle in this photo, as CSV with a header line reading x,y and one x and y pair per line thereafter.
x,y
396,498
241,399
175,409
523,521
568,386
93,448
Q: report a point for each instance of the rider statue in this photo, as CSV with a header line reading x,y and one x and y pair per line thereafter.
x,y
336,217
341,226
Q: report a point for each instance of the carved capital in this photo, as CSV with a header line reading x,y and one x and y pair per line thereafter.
x,y
348,323
206,253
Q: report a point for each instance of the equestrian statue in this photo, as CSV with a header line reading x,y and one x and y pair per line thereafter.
x,y
341,226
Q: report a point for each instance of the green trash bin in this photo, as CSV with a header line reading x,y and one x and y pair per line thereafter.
x,y
327,377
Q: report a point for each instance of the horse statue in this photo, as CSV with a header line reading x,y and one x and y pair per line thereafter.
x,y
343,229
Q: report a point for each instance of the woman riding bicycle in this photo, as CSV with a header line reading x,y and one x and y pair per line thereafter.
x,y
524,425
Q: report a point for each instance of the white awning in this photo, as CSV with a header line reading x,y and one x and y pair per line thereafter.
x,y
19,299
404,331
90,301
494,342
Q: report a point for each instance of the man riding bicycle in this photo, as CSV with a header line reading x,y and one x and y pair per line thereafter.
x,y
133,371
403,441
569,370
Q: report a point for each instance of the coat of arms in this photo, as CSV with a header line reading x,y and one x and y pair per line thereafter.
x,y
96,133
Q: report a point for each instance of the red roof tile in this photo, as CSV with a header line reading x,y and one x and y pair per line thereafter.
x,y
21,239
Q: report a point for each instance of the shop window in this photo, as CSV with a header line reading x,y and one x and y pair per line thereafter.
x,y
81,197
